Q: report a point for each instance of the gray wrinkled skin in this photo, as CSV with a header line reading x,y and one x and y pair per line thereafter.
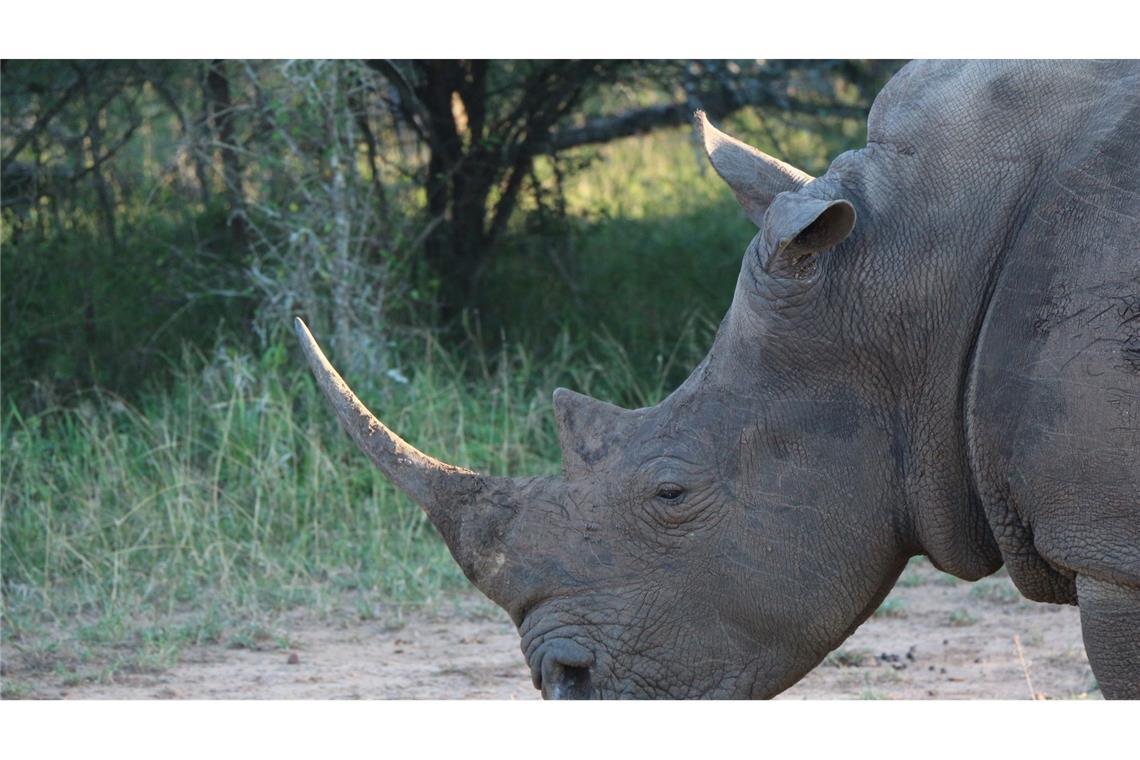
x,y
933,348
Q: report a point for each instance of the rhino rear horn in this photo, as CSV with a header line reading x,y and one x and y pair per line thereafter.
x,y
755,177
587,429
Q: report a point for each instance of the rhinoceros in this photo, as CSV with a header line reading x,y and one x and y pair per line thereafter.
x,y
933,349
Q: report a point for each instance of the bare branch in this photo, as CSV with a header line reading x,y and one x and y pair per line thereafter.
x,y
408,102
43,119
606,128
643,120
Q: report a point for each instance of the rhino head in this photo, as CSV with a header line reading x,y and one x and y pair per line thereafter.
x,y
720,543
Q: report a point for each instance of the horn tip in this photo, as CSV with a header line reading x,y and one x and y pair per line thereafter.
x,y
701,122
310,347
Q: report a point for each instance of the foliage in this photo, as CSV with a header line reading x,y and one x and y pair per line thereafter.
x,y
325,242
146,204
649,241
484,123
106,264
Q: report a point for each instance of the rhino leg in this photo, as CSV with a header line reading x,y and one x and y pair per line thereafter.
x,y
1110,623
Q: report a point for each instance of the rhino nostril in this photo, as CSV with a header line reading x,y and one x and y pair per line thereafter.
x,y
567,682
564,671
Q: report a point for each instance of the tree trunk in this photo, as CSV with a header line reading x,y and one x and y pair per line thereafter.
x,y
458,182
222,120
106,201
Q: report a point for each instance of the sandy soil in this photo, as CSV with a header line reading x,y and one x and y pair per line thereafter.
x,y
935,637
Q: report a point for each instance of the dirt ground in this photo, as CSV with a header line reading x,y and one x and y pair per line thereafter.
x,y
934,637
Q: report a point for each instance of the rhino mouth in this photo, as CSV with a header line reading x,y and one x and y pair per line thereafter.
x,y
561,670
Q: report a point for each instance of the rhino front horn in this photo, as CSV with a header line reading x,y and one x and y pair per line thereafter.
x,y
458,501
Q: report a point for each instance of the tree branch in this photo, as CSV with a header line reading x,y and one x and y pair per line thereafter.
x,y
606,128
43,120
98,161
643,120
409,101
507,200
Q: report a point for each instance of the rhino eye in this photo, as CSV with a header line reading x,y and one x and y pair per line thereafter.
x,y
669,491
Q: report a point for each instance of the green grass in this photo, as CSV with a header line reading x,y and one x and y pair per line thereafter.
x,y
945,579
131,532
847,658
868,692
915,573
891,608
961,619
996,591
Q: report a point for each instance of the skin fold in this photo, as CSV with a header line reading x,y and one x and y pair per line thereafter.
x,y
933,349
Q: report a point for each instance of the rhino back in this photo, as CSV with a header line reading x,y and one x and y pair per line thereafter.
x,y
1053,403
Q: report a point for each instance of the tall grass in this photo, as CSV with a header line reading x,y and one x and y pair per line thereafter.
x,y
236,495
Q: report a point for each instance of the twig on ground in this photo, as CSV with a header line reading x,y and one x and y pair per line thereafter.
x,y
1024,666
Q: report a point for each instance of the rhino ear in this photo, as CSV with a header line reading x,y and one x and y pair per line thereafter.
x,y
586,429
799,228
755,177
